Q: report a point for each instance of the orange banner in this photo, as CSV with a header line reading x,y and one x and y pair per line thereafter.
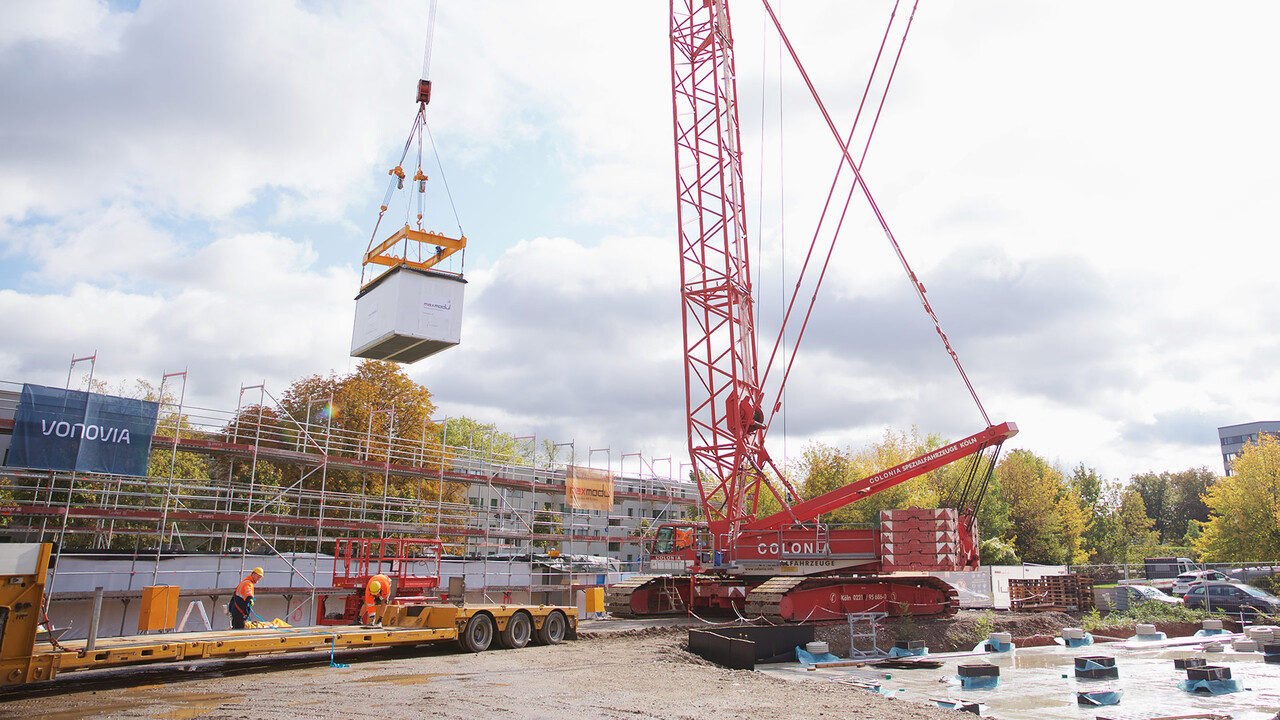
x,y
588,488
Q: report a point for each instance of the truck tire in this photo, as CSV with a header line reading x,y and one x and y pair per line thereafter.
x,y
553,630
518,631
478,634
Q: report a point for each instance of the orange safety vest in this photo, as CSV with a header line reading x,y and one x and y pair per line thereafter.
x,y
370,610
385,582
245,589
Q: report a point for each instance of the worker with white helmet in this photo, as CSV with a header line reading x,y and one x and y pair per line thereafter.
x,y
241,605
375,593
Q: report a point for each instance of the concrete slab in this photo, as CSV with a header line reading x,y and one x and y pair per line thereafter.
x,y
1039,683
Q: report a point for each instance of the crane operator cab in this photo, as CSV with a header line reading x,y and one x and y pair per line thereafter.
x,y
679,547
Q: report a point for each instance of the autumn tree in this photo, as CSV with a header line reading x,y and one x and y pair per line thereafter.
x,y
1244,521
1046,515
378,413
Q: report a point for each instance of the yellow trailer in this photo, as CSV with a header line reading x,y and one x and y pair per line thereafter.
x,y
474,627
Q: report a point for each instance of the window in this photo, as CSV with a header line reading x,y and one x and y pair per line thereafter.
x,y
615,547
1197,591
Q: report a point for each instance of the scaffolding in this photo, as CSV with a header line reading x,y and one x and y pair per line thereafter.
x,y
255,482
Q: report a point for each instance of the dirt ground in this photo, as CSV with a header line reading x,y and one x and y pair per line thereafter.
x,y
632,675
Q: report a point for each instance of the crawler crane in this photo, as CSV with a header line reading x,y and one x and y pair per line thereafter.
x,y
788,564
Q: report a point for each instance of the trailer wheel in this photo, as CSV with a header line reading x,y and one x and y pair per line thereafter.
x,y
553,629
518,632
478,634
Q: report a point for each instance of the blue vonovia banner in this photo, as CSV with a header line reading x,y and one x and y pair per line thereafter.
x,y
58,429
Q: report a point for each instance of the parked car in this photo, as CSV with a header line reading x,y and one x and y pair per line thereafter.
x,y
1232,598
1135,594
1183,582
1248,574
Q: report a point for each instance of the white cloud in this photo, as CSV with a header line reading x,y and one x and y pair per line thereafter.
x,y
1088,203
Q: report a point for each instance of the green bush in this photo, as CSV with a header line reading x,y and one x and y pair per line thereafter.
x,y
1145,612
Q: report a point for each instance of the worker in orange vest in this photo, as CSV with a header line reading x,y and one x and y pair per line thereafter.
x,y
375,593
241,605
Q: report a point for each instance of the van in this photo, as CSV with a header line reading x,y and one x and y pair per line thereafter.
x,y
1162,568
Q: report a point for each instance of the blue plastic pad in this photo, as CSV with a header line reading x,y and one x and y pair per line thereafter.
x,y
980,682
1080,642
1213,687
807,658
897,652
1099,697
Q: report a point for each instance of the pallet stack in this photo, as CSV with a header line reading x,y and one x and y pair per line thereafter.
x,y
920,539
1055,592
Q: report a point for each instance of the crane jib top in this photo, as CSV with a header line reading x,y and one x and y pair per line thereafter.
x,y
854,491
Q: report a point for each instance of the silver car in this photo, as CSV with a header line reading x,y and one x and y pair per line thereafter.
x,y
1145,593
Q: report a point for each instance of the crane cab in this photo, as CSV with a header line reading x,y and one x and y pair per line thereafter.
x,y
679,547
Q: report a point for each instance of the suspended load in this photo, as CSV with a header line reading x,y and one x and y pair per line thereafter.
x,y
410,301
410,311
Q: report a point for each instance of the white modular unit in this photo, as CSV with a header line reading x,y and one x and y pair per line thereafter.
x,y
407,314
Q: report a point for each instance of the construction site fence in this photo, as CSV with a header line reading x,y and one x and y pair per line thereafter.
x,y
1137,572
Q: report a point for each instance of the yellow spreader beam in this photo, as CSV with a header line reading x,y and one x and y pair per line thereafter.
x,y
442,247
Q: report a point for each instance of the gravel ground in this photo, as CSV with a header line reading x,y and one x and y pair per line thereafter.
x,y
630,675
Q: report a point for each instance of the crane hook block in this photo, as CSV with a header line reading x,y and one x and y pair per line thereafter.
x,y
424,91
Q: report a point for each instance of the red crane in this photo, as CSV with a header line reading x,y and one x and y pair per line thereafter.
x,y
785,564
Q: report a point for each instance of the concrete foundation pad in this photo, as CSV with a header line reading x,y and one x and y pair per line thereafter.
x,y
1037,683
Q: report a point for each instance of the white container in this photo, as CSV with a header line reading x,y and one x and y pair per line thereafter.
x,y
1215,647
1072,633
1146,630
817,647
407,314
1003,638
1245,646
1211,624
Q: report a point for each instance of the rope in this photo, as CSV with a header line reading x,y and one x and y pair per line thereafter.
x,y
875,208
333,642
444,179
431,33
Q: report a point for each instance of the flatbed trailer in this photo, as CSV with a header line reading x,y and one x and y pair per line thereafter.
x,y
473,627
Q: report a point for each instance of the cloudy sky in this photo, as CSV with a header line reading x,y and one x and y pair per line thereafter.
x,y
1087,190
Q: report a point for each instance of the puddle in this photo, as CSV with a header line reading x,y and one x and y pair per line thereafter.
x,y
192,705
87,712
1033,687
400,679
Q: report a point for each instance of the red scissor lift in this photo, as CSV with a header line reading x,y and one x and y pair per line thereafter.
x,y
413,564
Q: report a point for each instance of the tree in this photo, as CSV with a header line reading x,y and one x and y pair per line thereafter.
x,y
1173,499
1188,489
1156,498
1244,521
825,468
1046,517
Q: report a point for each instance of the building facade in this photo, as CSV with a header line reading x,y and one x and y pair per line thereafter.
x,y
1233,438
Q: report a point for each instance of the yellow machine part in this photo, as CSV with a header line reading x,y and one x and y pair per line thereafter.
x,y
21,595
